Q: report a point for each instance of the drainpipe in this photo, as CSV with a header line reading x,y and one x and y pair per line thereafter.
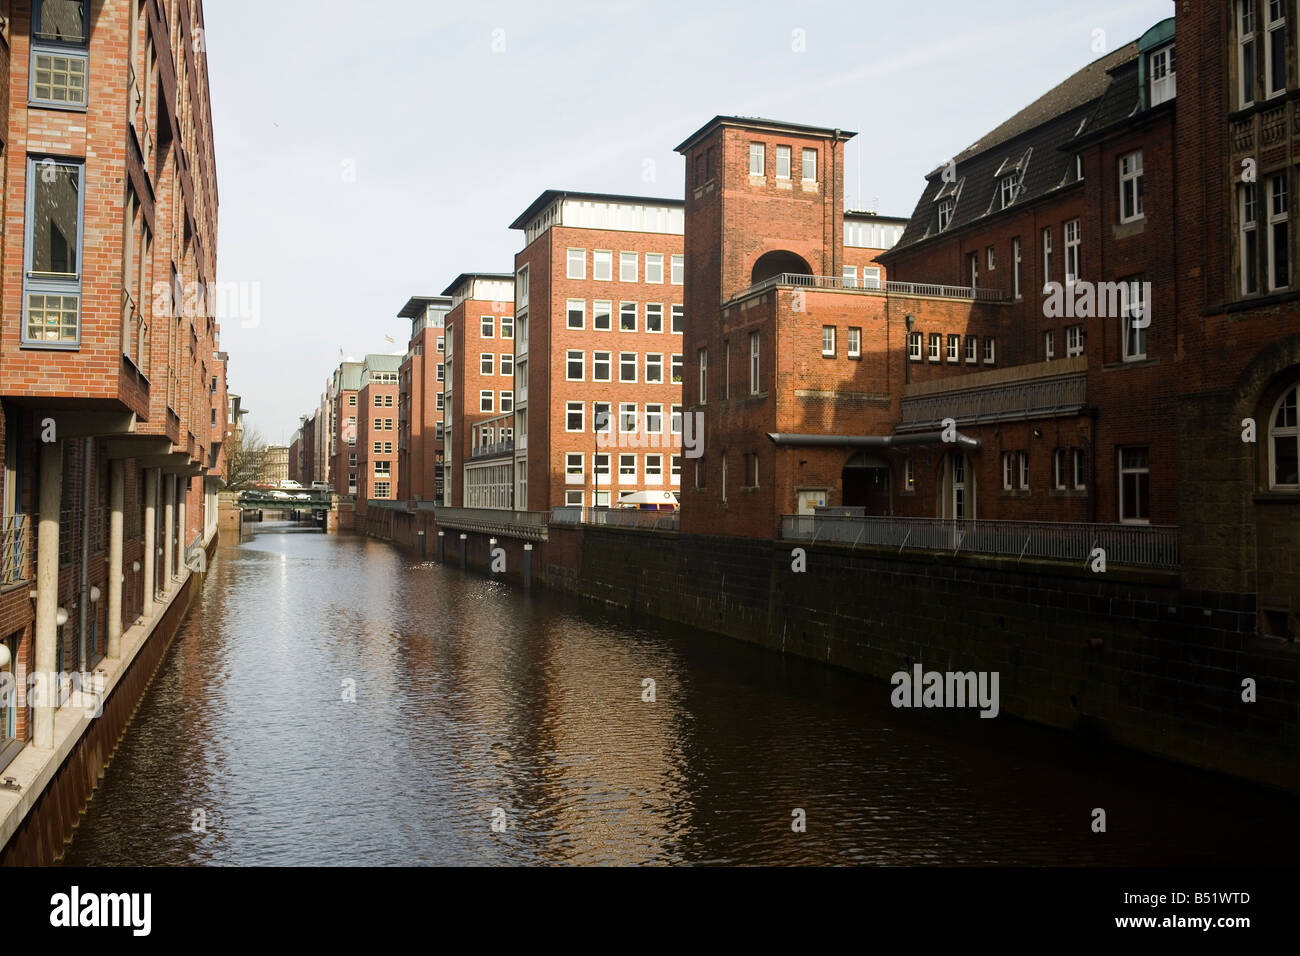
x,y
47,591
116,497
83,585
150,540
182,532
169,528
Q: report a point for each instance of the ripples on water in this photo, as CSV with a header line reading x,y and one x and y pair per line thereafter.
x,y
472,696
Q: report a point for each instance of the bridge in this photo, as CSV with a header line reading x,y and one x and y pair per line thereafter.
x,y
266,500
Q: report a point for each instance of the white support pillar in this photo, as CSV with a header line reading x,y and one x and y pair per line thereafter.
x,y
169,528
182,530
47,593
150,538
116,502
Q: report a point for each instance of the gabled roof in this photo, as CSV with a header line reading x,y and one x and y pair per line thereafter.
x,y
383,362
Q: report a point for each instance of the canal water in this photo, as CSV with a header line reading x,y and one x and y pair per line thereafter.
x,y
331,700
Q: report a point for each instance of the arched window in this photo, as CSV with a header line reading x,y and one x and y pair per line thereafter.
x,y
1284,442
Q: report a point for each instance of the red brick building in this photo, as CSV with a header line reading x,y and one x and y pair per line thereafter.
x,y
420,416
344,384
599,318
376,448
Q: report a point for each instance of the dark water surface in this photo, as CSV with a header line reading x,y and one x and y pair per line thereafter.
x,y
471,697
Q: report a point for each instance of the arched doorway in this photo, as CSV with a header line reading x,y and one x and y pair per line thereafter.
x,y
864,483
777,262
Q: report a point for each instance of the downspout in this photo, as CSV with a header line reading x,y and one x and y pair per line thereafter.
x,y
83,587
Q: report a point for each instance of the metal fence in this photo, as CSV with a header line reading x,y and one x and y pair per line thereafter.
x,y
1148,546
930,290
618,518
13,554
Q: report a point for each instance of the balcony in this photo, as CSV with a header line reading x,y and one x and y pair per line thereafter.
x,y
529,525
1140,546
493,450
1040,390
841,284
618,518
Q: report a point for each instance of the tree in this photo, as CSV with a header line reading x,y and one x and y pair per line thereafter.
x,y
245,451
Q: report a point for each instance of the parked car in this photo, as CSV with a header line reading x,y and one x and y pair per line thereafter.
x,y
320,486
288,484
281,494
302,496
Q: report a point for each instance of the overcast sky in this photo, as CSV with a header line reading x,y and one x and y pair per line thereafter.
x,y
368,152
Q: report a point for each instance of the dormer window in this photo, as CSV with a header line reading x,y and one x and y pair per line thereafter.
x,y
947,201
1161,69
1010,176
945,213
1010,186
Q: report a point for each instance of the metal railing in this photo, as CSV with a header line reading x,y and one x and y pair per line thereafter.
x,y
13,553
530,525
931,290
618,518
493,449
1148,546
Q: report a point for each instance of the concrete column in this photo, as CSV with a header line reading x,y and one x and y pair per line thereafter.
x,y
150,538
47,591
182,529
528,566
169,528
116,501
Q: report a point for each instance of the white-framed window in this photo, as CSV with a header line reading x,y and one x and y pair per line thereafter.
x,y
1248,215
486,362
602,265
379,400
654,368
974,261
627,366
574,472
1134,486
577,313
574,417
1279,255
654,469
378,446
809,173
627,417
855,342
675,368
573,499
627,316
1135,320
442,344
783,162
439,400
486,397
654,267
602,417
871,277
1162,71
1073,341
507,398
627,469
850,277
1275,49
990,350
1008,471
1058,469
575,365
1022,462
600,467
703,356
675,419
600,367
914,346
828,341
601,312
972,349
383,468
383,489
487,326
628,266
53,255
754,364
1010,189
677,270
508,327
1015,266
1130,186
1080,475
507,365
1047,256
1284,442
954,348
945,213
678,318
1049,345
675,468
577,264
1245,52
757,158
654,317
1072,242
654,418
936,346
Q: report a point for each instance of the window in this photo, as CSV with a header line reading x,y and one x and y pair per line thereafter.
x,y
677,275
52,281
704,375
440,372
388,401
600,465
757,153
440,398
783,162
601,418
485,363
383,468
508,327
577,313
1008,471
379,424
1246,52
675,369
1022,460
1058,469
828,341
60,55
675,419
352,401
871,277
654,469
388,424
945,213
378,446
573,499
675,466
627,366
1275,49
810,165
627,417
972,349
442,344
574,472
352,459
383,489
1049,345
627,317
577,264
654,368
485,400
1047,256
600,366
753,364
990,259
487,325
1284,442
954,348
678,316
1073,341
1130,186
507,401
379,401
914,346
602,265
850,277
1015,267
575,364
1134,486
1279,261
601,310
574,417
1010,189
1072,241
654,317
855,342
628,264
1079,475
936,346
654,267
654,419
973,260
1164,79
627,469
1135,320
909,475
990,351
507,365
1248,205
